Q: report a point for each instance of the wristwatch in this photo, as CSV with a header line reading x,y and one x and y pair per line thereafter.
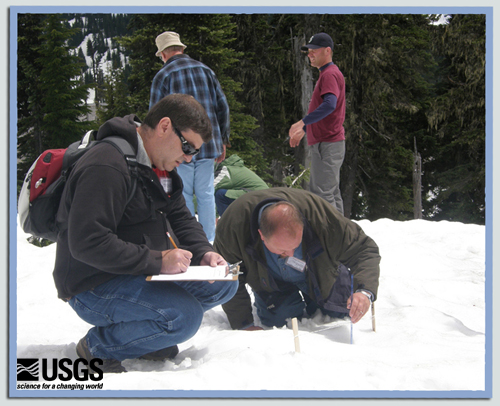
x,y
366,293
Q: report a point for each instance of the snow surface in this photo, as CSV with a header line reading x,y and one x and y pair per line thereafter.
x,y
430,330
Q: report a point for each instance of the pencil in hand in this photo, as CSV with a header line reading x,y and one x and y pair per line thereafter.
x,y
172,240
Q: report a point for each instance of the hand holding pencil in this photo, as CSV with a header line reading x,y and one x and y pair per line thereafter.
x,y
176,260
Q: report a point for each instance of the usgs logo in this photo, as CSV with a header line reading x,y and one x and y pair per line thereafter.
x,y
65,369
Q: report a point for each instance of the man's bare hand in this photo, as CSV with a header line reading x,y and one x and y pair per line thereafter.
x,y
296,133
175,261
359,306
222,156
211,258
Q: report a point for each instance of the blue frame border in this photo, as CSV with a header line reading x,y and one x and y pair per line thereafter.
x,y
14,393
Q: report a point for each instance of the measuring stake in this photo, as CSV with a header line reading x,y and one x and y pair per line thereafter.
x,y
373,317
352,297
295,327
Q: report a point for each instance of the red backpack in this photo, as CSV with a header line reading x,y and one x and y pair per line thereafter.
x,y
44,183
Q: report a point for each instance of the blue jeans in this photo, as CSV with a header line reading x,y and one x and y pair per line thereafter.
x,y
133,317
198,179
222,201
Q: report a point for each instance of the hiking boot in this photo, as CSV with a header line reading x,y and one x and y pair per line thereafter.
x,y
108,365
161,355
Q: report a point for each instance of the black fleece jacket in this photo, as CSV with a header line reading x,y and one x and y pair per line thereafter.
x,y
100,235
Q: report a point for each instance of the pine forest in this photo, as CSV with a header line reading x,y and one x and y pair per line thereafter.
x,y
415,96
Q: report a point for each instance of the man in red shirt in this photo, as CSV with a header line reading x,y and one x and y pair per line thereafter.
x,y
324,122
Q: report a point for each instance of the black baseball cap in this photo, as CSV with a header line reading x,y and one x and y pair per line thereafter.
x,y
320,40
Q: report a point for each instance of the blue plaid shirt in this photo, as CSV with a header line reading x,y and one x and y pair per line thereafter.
x,y
182,74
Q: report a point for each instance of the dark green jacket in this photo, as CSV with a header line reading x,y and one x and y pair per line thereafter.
x,y
329,240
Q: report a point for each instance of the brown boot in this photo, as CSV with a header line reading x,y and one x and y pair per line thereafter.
x,y
109,365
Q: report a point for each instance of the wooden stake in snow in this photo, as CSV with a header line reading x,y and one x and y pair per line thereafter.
x,y
373,317
295,327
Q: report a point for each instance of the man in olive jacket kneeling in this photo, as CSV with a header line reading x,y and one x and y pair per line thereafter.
x,y
299,255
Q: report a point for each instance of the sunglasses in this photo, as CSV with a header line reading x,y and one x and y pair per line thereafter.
x,y
187,148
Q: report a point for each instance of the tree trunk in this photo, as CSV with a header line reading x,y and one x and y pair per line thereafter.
x,y
277,172
305,81
417,184
349,172
353,131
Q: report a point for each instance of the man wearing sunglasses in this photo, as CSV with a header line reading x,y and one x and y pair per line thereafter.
x,y
107,246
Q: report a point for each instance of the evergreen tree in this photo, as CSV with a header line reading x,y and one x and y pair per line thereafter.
x,y
115,94
29,104
266,72
143,63
63,102
57,100
456,169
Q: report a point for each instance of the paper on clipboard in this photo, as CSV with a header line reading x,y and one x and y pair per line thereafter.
x,y
199,273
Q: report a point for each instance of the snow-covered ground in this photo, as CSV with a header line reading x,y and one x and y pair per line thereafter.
x,y
430,331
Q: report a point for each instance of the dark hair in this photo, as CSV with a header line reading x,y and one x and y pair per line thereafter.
x,y
287,219
185,112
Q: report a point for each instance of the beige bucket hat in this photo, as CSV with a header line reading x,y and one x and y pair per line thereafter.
x,y
168,39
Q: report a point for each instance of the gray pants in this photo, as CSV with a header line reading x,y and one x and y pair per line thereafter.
x,y
326,160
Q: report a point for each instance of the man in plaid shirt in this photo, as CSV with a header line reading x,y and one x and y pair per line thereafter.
x,y
182,74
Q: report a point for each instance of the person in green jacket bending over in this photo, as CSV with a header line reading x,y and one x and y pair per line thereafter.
x,y
232,180
300,255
